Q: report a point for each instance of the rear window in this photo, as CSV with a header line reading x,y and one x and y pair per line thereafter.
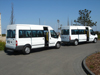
x,y
65,32
10,33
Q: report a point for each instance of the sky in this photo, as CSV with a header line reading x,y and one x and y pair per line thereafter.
x,y
49,11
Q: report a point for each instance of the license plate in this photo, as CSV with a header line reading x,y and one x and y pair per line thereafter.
x,y
8,41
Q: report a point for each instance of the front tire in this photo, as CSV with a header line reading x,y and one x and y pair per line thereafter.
x,y
58,45
95,40
26,50
75,42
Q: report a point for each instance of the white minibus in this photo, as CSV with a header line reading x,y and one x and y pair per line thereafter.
x,y
76,34
26,37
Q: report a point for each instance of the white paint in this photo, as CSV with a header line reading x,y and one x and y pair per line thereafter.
x,y
69,37
34,42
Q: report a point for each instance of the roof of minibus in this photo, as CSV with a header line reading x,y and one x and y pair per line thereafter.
x,y
29,25
67,27
13,26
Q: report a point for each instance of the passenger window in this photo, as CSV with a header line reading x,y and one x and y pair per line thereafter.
x,y
21,35
39,33
81,31
27,33
53,34
24,33
74,32
34,33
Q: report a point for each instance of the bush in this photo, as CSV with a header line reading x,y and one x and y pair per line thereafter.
x,y
98,36
2,45
98,33
3,34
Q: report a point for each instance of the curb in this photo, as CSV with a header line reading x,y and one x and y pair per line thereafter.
x,y
85,68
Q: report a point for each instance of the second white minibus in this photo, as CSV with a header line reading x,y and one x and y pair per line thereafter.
x,y
26,37
76,34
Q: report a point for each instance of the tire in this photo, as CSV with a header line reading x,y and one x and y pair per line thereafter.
x,y
27,50
58,45
95,40
5,50
75,42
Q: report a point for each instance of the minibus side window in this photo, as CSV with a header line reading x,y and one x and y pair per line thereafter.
x,y
81,31
10,33
40,33
34,33
27,33
74,32
24,33
53,34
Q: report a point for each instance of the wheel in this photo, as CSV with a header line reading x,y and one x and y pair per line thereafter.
x,y
5,50
58,45
75,42
26,50
95,40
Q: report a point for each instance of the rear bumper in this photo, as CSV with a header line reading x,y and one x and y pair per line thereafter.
x,y
71,41
18,48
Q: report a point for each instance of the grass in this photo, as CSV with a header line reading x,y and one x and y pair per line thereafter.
x,y
2,45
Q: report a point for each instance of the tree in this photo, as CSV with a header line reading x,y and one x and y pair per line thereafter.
x,y
12,15
84,18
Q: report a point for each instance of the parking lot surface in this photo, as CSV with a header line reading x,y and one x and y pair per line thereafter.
x,y
64,61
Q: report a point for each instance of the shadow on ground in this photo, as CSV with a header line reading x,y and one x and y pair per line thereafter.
x,y
81,43
10,52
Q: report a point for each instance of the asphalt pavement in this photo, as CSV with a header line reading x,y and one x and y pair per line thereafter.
x,y
64,61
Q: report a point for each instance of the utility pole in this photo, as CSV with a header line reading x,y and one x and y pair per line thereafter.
x,y
39,21
68,21
12,15
71,22
0,26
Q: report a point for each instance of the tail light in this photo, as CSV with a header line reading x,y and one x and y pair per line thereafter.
x,y
69,37
16,43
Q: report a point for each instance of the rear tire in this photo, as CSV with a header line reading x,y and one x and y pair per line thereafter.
x,y
58,45
75,42
95,40
5,50
27,50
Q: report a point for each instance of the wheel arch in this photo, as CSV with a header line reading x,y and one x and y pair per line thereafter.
x,y
28,45
58,42
77,39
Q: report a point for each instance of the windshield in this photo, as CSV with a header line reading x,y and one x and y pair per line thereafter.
x,y
10,33
92,32
65,32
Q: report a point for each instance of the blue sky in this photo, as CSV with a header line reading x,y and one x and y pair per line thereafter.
x,y
29,11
